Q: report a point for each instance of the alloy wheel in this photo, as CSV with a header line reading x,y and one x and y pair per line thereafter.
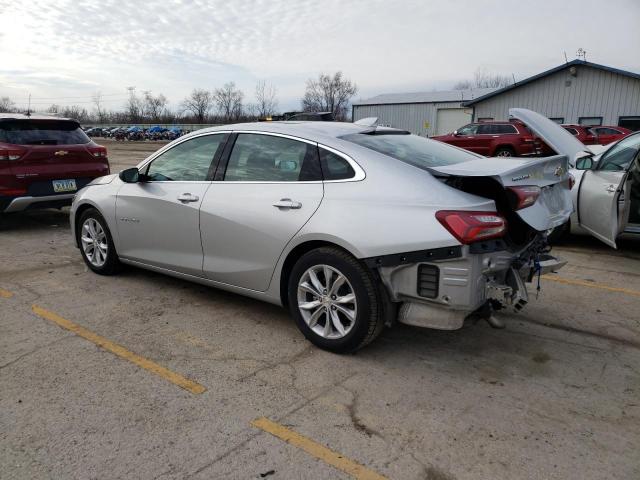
x,y
94,242
327,302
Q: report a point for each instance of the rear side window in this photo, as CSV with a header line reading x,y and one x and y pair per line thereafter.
x,y
42,132
499,129
269,158
412,149
572,131
606,131
334,167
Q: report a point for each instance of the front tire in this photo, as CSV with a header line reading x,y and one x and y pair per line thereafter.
x,y
334,300
96,245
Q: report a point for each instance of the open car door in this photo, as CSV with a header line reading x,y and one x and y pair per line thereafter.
x,y
603,203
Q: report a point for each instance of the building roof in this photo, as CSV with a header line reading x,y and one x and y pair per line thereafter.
x,y
559,68
425,97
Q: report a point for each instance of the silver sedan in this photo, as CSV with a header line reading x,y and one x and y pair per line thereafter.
x,y
351,227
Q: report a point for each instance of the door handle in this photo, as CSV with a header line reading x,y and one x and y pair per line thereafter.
x,y
611,188
287,203
187,197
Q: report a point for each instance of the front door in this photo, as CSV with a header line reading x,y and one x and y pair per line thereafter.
x,y
271,187
158,218
604,198
466,137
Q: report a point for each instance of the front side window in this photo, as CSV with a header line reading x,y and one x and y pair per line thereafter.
x,y
188,161
572,131
268,158
619,156
468,130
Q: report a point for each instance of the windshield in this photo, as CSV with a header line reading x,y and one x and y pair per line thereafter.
x,y
619,156
42,132
412,149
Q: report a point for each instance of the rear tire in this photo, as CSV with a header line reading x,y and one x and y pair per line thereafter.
x,y
96,245
334,300
504,152
559,234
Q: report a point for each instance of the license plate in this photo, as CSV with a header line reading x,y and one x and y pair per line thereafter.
x,y
64,186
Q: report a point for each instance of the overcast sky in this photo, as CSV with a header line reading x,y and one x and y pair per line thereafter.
x,y
56,49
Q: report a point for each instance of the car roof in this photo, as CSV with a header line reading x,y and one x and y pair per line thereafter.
x,y
303,129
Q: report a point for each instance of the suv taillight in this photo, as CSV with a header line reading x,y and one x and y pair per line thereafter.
x,y
469,227
523,197
11,153
99,151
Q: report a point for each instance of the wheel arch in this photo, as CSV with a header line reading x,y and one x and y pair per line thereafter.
x,y
296,253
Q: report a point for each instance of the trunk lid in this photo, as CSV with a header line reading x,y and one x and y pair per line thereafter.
x,y
553,206
553,134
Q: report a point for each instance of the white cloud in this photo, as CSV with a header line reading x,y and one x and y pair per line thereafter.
x,y
69,48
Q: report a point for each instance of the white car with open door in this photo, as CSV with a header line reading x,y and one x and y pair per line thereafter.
x,y
606,195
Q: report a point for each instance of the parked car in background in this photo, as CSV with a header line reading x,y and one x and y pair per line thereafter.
x,y
599,135
349,226
606,194
44,161
495,139
605,134
582,133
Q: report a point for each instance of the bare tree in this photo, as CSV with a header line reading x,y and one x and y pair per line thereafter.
x,y
266,100
154,107
484,79
199,103
228,101
6,105
133,106
329,94
54,109
97,102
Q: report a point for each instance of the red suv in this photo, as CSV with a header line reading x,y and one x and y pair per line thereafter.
x,y
582,133
44,161
495,139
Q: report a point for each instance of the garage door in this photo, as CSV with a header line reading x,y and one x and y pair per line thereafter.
x,y
450,119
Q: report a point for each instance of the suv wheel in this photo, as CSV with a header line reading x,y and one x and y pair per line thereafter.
x,y
334,300
96,244
504,152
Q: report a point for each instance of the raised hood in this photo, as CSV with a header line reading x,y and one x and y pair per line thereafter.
x,y
553,134
553,206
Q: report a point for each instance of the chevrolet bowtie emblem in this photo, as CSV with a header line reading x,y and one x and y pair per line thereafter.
x,y
559,172
60,153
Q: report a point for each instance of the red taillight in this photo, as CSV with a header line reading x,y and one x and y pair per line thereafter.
x,y
98,151
11,153
523,197
469,227
571,180
12,192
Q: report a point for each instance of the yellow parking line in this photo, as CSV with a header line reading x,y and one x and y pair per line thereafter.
x,y
315,449
5,293
582,283
122,352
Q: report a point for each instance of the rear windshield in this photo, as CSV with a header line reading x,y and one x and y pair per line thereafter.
x,y
42,132
412,149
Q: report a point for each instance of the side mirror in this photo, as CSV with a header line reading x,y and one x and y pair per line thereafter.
x,y
130,175
584,163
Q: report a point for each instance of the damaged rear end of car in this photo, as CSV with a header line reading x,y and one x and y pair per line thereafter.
x,y
495,250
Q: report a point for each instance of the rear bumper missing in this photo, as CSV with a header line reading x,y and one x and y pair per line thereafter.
x,y
442,293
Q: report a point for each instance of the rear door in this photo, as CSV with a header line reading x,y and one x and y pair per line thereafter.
x,y
271,186
158,220
606,135
604,197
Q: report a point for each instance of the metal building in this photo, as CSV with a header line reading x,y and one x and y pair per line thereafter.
x,y
422,113
577,92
